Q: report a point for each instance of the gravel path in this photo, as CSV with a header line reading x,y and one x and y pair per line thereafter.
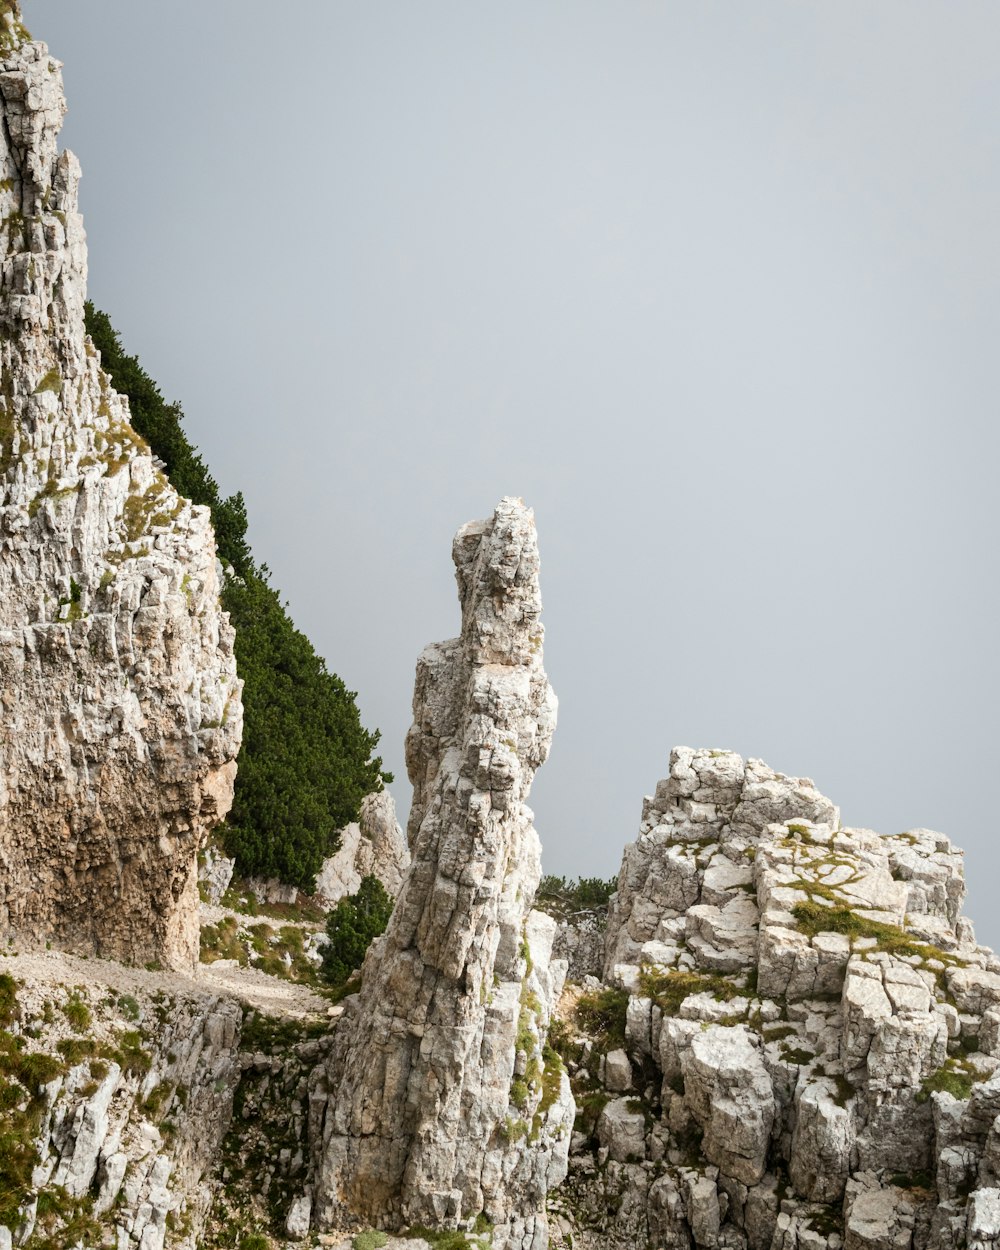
x,y
225,978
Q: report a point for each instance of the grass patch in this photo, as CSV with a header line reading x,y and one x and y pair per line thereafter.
x,y
602,1013
369,1240
8,1000
222,941
52,381
669,989
814,918
797,1055
955,1077
449,1239
77,1013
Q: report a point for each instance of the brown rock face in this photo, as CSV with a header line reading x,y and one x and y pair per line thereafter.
x,y
440,1106
121,706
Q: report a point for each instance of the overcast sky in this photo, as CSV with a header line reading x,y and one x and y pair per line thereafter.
x,y
714,287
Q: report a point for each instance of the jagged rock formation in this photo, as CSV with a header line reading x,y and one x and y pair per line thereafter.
x,y
441,1104
373,845
808,1031
125,1097
121,707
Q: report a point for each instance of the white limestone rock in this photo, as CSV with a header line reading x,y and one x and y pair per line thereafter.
x,y
621,1130
821,1143
729,1091
808,1083
121,707
617,1072
373,846
437,1109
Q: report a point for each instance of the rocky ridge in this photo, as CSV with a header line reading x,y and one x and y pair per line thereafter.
x,y
798,1039
116,1094
442,1104
122,713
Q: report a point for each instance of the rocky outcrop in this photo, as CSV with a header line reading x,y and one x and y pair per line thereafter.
x,y
373,845
114,1110
441,1103
121,707
811,1029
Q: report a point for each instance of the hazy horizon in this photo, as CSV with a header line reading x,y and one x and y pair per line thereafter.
x,y
714,289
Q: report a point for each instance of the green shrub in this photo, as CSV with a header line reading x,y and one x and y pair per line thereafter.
x,y
369,1240
351,926
603,1013
955,1077
306,761
77,1013
255,1241
563,895
8,1000
669,989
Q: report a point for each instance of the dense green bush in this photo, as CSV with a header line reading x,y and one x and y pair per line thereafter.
x,y
564,895
307,761
351,926
159,423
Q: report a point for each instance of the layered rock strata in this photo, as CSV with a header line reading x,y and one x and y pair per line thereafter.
x,y
443,1105
121,706
810,1035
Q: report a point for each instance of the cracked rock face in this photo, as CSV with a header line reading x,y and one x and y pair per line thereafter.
x,y
813,1028
374,846
441,1106
121,706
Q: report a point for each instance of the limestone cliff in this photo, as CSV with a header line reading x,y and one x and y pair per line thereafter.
x,y
798,1047
121,706
118,1086
443,1104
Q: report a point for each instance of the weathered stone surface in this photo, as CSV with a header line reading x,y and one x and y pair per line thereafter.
x,y
121,707
729,1092
807,1083
709,799
621,1130
102,1138
374,846
438,1106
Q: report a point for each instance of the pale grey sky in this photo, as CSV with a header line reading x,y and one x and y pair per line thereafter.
x,y
714,287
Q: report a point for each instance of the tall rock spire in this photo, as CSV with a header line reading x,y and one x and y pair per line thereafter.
x,y
442,1106
121,706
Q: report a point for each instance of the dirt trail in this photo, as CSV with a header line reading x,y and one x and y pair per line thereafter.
x,y
272,995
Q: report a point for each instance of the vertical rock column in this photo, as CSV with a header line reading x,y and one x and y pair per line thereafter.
x,y
121,713
443,1103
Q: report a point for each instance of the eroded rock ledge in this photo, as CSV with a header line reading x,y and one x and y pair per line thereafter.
x,y
441,1103
121,706
797,1045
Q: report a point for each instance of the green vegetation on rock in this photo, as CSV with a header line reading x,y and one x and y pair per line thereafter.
x,y
603,1014
562,896
351,926
306,761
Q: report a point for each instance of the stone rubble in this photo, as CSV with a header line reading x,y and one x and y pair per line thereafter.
x,y
441,1103
813,1033
121,706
